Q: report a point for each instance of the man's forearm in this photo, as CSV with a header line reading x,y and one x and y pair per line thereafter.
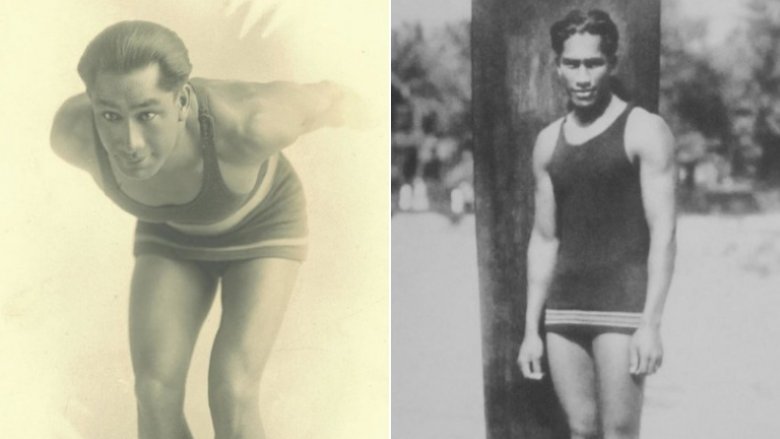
x,y
325,99
542,253
537,295
660,266
291,110
308,107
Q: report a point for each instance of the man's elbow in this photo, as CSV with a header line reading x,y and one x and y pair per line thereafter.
x,y
663,235
542,241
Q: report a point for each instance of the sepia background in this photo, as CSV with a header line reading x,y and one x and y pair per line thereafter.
x,y
65,369
720,93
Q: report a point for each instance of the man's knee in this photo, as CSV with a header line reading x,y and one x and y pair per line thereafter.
x,y
621,429
585,429
234,389
584,424
158,393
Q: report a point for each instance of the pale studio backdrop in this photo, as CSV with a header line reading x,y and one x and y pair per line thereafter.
x,y
65,366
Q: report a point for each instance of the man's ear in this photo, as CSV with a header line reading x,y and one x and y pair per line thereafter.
x,y
613,64
184,101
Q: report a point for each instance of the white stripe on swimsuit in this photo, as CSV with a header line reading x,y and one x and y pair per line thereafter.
x,y
281,242
592,318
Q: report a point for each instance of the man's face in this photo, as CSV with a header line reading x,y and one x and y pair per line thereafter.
x,y
137,122
585,70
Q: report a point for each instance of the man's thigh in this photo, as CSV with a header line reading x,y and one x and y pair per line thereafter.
x,y
169,301
620,392
573,374
255,295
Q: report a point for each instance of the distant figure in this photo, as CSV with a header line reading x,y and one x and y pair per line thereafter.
x,y
199,163
602,248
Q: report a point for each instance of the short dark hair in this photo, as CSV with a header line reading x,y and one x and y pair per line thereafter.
x,y
130,45
594,22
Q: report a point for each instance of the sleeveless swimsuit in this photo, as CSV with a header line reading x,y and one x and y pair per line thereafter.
x,y
219,224
600,278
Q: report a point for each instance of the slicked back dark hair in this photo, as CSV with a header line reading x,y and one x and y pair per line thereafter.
x,y
131,45
594,22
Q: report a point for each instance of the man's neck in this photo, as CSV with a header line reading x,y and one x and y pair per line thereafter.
x,y
588,115
187,152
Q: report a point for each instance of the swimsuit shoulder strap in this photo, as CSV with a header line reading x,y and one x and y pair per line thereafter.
x,y
206,121
624,116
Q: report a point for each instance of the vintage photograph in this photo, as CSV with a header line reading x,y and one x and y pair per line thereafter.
x,y
586,207
196,222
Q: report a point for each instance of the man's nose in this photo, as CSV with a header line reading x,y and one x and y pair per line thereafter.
x,y
132,141
582,77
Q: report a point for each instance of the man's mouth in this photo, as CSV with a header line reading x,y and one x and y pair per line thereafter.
x,y
133,159
584,94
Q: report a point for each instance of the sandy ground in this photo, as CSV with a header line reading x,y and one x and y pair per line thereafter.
x,y
719,380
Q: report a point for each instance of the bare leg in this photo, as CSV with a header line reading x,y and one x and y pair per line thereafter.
x,y
169,300
255,294
574,378
620,393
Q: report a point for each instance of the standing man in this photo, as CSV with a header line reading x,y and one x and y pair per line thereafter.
x,y
602,248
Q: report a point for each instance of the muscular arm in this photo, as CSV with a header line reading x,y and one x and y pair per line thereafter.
x,y
653,144
543,246
276,114
655,149
542,253
291,110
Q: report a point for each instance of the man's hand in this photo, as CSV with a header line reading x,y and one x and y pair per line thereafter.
x,y
348,109
646,351
530,357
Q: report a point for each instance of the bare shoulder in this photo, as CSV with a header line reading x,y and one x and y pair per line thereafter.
x,y
256,120
228,101
72,137
235,106
641,121
648,135
545,144
235,102
228,98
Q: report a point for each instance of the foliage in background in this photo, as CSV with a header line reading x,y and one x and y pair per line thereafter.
x,y
721,97
435,66
761,45
690,89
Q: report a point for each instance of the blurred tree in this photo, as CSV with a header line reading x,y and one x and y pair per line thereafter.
x,y
431,106
692,92
435,66
409,58
763,38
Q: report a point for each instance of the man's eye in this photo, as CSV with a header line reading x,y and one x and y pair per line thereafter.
x,y
147,116
593,64
111,117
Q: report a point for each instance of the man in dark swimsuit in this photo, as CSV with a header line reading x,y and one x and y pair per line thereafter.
x,y
602,248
